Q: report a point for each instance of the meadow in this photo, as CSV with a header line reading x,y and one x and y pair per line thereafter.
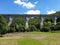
x,y
31,38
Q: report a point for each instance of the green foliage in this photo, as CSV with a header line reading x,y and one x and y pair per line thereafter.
x,y
48,19
32,28
57,27
34,23
20,28
46,26
18,20
57,13
45,29
58,19
20,41
3,25
17,25
12,28
49,25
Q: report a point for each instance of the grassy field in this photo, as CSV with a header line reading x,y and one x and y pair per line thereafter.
x,y
37,38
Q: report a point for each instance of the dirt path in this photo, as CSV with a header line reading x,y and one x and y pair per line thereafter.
x,y
37,36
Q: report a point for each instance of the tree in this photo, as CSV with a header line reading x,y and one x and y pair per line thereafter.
x,y
17,25
46,27
32,28
48,19
34,23
47,24
3,25
57,13
58,19
57,26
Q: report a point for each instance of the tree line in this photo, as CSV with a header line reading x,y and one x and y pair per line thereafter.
x,y
18,25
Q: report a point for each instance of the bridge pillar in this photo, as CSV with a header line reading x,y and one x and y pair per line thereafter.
x,y
10,20
27,25
41,21
54,20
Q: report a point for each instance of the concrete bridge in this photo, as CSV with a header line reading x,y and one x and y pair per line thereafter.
x,y
27,16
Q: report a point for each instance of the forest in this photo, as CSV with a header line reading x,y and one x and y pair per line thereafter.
x,y
18,25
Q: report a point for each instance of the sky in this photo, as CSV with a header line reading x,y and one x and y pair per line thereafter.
x,y
29,6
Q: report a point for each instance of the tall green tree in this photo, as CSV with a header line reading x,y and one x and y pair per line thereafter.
x,y
17,25
34,23
47,24
57,13
48,19
58,19
3,25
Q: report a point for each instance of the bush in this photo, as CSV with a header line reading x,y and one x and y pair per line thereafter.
x,y
57,26
34,22
53,28
18,25
45,29
20,28
32,28
48,19
12,29
3,25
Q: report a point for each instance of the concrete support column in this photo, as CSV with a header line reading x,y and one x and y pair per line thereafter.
x,y
41,21
54,20
27,25
10,21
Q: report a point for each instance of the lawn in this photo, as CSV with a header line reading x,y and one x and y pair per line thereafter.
x,y
21,41
37,38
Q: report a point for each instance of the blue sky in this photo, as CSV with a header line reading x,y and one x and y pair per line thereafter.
x,y
29,6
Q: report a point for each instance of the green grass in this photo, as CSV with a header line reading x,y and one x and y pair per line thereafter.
x,y
29,41
52,39
21,41
56,31
53,32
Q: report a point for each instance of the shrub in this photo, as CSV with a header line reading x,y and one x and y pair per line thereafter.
x,y
46,26
20,28
3,25
45,29
57,26
17,25
34,22
12,29
32,28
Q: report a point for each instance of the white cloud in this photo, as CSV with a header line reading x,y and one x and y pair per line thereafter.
x,y
33,12
36,2
29,5
25,4
51,12
25,0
